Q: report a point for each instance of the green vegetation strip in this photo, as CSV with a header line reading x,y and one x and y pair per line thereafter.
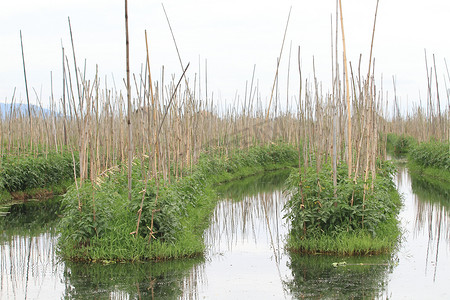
x,y
357,219
100,229
35,176
429,160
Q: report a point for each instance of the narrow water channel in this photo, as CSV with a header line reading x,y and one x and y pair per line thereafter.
x,y
423,270
245,256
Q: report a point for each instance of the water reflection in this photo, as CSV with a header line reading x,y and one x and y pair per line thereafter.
x,y
360,277
424,254
28,261
245,257
30,268
165,280
432,218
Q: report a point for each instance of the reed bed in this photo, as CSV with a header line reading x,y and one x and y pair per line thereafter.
x,y
171,128
157,132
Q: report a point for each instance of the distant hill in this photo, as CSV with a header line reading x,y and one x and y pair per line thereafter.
x,y
21,108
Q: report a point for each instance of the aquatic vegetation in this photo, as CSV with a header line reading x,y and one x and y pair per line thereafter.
x,y
146,165
100,223
431,154
428,159
32,174
399,145
349,218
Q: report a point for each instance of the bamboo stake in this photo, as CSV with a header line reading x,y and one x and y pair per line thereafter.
x,y
349,116
26,89
130,144
278,64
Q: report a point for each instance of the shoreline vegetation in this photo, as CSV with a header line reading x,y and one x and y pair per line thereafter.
x,y
348,219
147,158
427,160
174,215
41,176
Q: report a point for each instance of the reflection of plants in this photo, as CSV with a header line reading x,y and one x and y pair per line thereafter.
x,y
137,281
362,277
31,217
433,204
430,191
251,186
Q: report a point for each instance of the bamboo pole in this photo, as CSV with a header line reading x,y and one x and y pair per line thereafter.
x,y
278,64
130,141
349,114
26,90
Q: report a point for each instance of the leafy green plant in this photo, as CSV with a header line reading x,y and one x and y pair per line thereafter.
x,y
431,154
84,217
22,173
399,145
314,210
173,216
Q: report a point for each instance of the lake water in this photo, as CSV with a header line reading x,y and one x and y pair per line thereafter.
x,y
245,258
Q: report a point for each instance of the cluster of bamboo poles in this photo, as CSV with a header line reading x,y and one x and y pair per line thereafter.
x,y
171,124
431,121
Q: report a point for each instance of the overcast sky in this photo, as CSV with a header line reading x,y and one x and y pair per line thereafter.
x,y
232,36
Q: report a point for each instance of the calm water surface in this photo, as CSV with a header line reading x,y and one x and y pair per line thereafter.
x,y
423,270
245,258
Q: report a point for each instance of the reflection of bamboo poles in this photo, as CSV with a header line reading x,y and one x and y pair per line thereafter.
x,y
24,260
431,217
272,243
246,219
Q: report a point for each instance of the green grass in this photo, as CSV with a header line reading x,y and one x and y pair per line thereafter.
x,y
181,214
356,242
431,154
